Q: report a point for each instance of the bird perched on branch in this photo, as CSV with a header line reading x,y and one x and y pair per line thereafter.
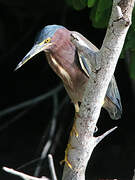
x,y
74,67
71,65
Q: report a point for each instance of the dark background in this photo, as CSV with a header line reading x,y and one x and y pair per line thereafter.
x,y
21,141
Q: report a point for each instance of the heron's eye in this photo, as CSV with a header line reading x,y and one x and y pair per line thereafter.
x,y
47,40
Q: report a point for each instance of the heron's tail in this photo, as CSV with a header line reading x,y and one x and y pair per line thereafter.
x,y
112,100
114,110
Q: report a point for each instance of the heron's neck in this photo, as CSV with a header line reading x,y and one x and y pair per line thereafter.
x,y
63,50
64,54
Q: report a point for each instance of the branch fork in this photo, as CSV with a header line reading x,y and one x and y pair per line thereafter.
x,y
28,177
22,175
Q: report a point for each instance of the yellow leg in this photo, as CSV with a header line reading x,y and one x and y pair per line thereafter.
x,y
76,107
71,133
66,157
74,130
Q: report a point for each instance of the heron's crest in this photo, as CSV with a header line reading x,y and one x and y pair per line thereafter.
x,y
47,32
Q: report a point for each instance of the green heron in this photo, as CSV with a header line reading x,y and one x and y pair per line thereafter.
x,y
66,61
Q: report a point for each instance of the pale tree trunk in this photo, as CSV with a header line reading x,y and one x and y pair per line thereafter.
x,y
81,147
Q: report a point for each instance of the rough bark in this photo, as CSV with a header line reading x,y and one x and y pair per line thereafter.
x,y
83,145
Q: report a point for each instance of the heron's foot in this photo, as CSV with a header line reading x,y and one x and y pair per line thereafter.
x,y
76,115
74,130
66,157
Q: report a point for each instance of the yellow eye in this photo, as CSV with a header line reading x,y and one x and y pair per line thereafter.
x,y
47,40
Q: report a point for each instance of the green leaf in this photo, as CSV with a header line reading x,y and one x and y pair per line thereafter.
x,y
129,44
132,65
100,13
91,3
130,40
79,4
102,7
133,21
122,55
104,4
102,20
69,2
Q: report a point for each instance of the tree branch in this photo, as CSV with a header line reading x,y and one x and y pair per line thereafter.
x,y
83,145
30,102
133,175
22,175
51,166
52,131
50,138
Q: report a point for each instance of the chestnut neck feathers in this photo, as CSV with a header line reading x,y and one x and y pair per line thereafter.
x,y
62,56
63,50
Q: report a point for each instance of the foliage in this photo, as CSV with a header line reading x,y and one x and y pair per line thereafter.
x,y
99,16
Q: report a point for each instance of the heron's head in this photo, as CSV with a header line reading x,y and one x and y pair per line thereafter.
x,y
43,42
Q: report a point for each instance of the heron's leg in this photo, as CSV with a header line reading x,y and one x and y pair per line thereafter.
x,y
74,130
66,156
71,133
76,107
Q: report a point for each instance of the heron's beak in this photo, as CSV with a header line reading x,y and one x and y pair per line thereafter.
x,y
37,48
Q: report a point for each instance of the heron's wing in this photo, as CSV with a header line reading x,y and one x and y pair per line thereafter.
x,y
88,68
85,50
83,64
113,93
86,42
